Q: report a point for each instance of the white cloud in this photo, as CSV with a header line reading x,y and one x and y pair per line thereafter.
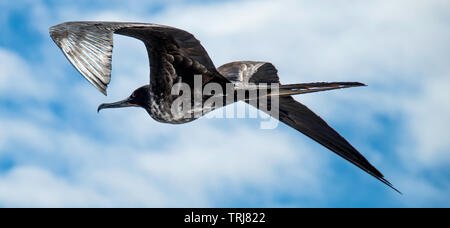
x,y
17,79
429,118
399,48
113,173
36,187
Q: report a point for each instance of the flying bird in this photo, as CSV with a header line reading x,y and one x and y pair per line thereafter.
x,y
177,56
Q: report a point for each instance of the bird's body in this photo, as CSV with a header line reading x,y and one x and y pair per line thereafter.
x,y
177,57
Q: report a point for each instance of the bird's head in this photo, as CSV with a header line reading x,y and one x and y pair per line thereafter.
x,y
139,98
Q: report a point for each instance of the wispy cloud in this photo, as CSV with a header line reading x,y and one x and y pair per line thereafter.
x,y
63,154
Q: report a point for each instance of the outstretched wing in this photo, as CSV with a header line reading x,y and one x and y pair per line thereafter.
x,y
301,118
174,54
298,116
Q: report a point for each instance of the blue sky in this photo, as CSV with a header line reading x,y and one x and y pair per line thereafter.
x,y
56,151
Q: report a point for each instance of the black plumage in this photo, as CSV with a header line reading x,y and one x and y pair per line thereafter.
x,y
177,56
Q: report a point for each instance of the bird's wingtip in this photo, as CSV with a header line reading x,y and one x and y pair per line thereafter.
x,y
103,91
386,182
359,84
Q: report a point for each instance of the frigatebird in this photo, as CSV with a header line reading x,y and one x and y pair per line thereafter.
x,y
176,56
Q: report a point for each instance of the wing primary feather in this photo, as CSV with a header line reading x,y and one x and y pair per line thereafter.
x,y
299,117
88,46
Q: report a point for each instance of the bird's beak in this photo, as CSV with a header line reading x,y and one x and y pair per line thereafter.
x,y
120,104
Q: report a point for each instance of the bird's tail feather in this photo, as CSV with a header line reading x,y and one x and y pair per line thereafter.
x,y
296,89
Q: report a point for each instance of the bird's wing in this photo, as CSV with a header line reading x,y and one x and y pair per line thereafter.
x,y
173,53
246,72
297,115
301,118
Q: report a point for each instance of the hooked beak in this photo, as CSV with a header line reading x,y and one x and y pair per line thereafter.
x,y
120,104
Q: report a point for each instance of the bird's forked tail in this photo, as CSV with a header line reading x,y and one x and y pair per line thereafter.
x,y
304,88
